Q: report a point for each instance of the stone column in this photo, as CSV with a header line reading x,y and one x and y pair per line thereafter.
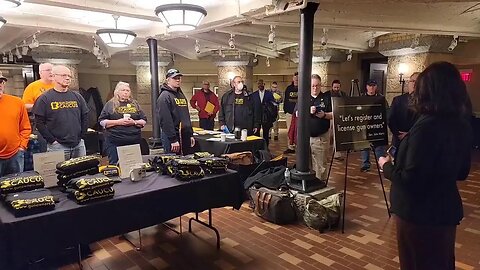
x,y
232,66
326,63
415,53
69,57
139,58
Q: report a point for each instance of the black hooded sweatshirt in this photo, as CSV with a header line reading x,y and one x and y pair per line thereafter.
x,y
172,108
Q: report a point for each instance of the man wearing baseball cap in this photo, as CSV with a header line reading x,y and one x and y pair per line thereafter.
x,y
372,91
14,132
174,117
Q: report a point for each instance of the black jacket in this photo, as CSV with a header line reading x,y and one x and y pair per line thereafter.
x,y
172,109
431,159
250,117
401,118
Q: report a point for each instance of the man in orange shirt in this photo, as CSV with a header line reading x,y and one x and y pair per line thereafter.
x,y
14,132
36,88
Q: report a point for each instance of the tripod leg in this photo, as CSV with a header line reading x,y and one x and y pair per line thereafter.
x,y
330,168
345,193
381,181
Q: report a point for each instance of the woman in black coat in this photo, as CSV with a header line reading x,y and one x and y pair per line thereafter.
x,y
430,160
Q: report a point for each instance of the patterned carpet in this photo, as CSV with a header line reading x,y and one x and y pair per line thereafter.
x,y
248,242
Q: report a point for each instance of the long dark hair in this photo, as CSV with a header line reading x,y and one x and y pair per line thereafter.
x,y
440,90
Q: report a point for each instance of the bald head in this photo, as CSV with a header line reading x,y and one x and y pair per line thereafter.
x,y
46,74
62,76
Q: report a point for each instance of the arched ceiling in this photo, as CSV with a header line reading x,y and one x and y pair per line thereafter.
x,y
349,23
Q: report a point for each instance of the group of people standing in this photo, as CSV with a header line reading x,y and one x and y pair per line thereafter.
x,y
429,124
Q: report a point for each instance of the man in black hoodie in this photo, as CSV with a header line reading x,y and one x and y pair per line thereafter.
x,y
174,117
237,109
290,100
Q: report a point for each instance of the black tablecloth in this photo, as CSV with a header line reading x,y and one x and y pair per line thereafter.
x,y
229,146
136,205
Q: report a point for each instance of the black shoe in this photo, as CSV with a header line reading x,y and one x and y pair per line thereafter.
x,y
275,138
365,169
289,151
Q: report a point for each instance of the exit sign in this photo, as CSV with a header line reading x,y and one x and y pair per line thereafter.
x,y
466,75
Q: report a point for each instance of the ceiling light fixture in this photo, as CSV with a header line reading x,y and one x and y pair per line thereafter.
x,y
9,3
371,41
17,53
34,44
181,17
117,38
10,56
453,44
24,48
2,21
197,46
324,38
349,55
271,35
231,42
267,62
5,58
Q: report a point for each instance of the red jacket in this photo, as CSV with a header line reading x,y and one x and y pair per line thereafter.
x,y
200,100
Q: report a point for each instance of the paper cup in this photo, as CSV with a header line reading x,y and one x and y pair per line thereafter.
x,y
126,115
223,137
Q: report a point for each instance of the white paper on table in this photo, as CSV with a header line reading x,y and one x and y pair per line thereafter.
x,y
46,165
128,156
214,139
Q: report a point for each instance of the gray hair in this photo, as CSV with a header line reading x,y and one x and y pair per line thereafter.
x,y
316,76
116,101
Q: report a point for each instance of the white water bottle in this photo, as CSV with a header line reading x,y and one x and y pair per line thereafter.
x,y
287,175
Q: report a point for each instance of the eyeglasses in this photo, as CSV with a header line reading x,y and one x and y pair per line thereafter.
x,y
64,75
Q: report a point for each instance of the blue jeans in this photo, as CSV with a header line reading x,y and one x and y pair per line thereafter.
x,y
111,150
14,164
70,152
167,145
365,154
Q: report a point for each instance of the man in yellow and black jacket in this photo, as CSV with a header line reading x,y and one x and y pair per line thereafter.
x,y
172,108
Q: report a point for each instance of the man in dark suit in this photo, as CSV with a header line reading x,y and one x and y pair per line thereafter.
x,y
402,117
264,103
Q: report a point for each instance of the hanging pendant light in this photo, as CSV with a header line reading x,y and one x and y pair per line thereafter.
x,y
181,17
117,38
9,3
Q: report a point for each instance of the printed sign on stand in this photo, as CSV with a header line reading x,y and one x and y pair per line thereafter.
x,y
359,122
128,157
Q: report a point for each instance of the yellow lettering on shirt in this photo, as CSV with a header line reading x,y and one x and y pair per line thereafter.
x,y
57,105
239,101
293,94
127,109
181,102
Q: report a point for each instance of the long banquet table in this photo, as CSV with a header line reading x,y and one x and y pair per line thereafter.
x,y
135,205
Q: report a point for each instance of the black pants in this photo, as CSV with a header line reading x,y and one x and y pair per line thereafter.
x,y
207,123
425,247
265,133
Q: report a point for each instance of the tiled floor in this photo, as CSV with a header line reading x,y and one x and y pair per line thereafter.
x,y
250,243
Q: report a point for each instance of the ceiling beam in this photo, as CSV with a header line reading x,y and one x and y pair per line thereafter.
x,y
100,6
366,27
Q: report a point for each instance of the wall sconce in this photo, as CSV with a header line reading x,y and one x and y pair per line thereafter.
x,y
402,70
